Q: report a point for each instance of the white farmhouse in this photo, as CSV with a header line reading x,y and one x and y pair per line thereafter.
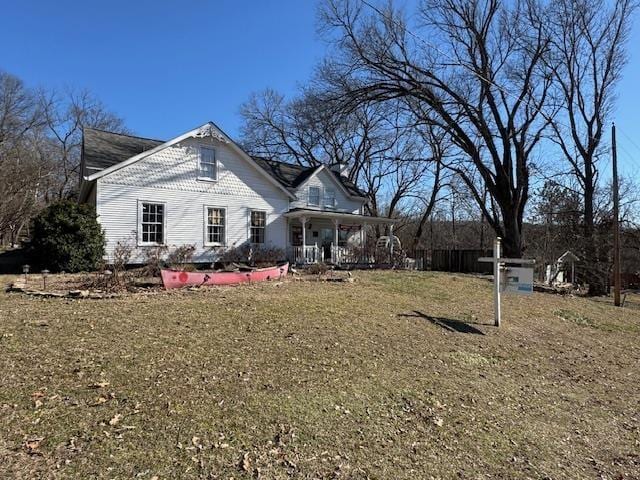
x,y
202,189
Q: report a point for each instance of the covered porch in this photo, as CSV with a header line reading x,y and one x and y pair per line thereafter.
x,y
320,236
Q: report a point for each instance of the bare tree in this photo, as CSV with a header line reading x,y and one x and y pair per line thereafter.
x,y
276,128
19,112
21,166
480,77
384,155
40,139
65,114
588,40
438,147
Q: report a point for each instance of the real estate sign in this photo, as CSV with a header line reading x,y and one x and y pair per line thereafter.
x,y
518,280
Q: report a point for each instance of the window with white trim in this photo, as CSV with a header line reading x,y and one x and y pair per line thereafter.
x,y
314,196
257,227
152,223
216,219
208,167
329,198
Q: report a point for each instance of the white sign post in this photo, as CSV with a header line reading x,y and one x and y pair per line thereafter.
x,y
517,279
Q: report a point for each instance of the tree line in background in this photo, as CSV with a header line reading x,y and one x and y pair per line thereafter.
x,y
40,146
484,113
466,119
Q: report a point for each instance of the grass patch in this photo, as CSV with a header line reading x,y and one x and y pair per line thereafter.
x,y
575,317
398,375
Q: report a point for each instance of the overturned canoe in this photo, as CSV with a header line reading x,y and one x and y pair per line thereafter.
x,y
178,279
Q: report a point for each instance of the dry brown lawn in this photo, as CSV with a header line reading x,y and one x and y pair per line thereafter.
x,y
399,375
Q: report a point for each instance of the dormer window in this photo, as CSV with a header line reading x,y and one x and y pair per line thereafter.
x,y
329,198
314,197
208,167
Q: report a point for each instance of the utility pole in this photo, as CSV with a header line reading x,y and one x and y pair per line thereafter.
x,y
616,221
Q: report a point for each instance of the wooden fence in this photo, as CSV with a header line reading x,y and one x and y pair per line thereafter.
x,y
460,261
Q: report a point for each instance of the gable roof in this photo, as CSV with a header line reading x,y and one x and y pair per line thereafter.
x,y
293,176
568,256
103,152
209,129
337,178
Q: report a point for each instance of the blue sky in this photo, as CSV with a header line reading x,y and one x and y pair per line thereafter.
x,y
167,66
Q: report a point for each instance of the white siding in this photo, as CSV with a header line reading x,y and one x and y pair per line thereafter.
x,y
170,177
323,180
176,168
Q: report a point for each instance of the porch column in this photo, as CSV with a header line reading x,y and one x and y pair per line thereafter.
x,y
303,221
288,241
391,239
364,254
334,250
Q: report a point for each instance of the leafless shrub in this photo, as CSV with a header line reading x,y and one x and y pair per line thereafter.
x,y
122,254
254,255
154,261
114,276
265,256
181,258
318,269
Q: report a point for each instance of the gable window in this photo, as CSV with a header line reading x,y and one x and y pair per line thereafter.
x,y
208,168
152,223
329,198
215,221
258,224
314,196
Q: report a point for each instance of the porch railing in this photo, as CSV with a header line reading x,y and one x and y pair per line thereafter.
x,y
340,255
306,254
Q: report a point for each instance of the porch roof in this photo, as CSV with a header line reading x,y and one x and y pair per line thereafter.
x,y
353,217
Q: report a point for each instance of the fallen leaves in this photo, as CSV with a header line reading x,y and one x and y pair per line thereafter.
x,y
397,398
102,384
246,463
36,396
32,445
116,419
195,441
99,401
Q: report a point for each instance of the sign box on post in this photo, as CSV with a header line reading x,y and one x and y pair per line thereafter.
x,y
518,280
508,279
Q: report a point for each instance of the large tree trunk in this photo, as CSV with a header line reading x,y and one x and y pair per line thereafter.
x,y
512,235
591,258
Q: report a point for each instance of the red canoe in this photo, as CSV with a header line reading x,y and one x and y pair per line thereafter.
x,y
177,279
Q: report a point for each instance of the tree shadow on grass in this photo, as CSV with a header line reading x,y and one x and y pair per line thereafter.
x,y
449,324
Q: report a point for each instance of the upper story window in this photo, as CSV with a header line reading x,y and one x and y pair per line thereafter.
x,y
208,167
314,196
152,223
329,198
215,223
257,227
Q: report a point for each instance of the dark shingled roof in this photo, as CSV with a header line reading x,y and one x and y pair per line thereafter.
x,y
101,149
291,176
